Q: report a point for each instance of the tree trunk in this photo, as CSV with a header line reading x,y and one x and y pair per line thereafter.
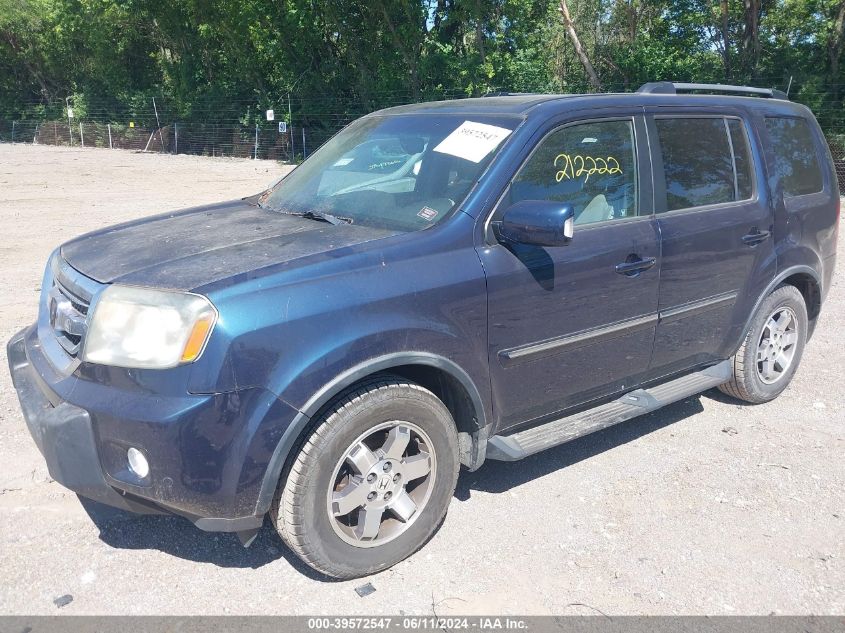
x,y
579,50
479,32
726,42
410,56
834,48
751,37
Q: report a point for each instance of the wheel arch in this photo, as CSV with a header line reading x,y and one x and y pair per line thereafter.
x,y
443,377
810,288
808,283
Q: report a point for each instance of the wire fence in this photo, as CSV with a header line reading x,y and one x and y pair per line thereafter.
x,y
202,139
260,141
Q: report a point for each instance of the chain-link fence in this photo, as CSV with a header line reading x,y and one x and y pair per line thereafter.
x,y
836,142
203,139
264,140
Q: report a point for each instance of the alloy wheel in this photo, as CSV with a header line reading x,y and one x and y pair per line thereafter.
x,y
777,345
381,484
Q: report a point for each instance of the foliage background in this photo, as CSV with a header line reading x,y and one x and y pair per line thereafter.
x,y
331,60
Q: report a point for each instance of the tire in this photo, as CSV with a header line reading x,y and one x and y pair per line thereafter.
x,y
331,463
754,380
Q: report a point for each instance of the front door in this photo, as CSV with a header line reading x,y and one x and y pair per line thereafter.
x,y
573,323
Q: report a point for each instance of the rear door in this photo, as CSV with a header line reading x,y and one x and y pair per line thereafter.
x,y
715,221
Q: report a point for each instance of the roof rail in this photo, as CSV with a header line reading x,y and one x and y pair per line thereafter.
x,y
506,93
671,88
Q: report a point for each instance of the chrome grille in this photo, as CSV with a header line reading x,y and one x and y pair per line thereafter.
x,y
68,300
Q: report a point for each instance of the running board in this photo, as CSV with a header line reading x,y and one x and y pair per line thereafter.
x,y
638,402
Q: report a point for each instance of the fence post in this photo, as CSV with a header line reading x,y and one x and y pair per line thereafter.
x,y
255,157
13,131
175,138
290,122
109,126
303,143
35,136
81,135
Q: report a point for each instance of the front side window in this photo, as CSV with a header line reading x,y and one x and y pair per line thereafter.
x,y
400,172
705,161
796,160
591,166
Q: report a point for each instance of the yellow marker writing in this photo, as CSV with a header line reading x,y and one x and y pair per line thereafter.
x,y
578,165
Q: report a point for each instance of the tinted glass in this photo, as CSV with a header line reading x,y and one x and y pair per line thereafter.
x,y
697,162
591,166
400,173
796,161
742,158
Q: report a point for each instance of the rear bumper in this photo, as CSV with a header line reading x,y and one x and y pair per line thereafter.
x,y
207,453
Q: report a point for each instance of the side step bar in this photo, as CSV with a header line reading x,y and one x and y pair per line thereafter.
x,y
524,443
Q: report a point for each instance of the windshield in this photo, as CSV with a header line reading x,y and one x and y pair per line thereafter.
x,y
401,172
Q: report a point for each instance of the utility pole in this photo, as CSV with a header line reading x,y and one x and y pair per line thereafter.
x,y
290,116
158,125
69,117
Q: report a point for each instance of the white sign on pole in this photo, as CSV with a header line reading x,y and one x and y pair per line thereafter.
x,y
283,127
271,115
70,113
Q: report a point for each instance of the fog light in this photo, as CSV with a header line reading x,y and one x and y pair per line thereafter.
x,y
138,464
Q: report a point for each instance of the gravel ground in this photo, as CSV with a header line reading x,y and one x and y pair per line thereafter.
x,y
705,507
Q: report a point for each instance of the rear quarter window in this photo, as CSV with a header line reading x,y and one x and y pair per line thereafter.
x,y
796,159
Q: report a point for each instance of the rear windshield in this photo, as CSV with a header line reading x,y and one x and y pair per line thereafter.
x,y
401,172
796,159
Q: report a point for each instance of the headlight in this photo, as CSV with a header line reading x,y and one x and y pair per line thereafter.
x,y
149,329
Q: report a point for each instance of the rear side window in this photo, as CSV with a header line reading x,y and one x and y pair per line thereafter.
x,y
742,159
705,161
796,160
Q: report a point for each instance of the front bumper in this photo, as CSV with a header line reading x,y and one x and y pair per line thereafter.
x,y
64,436
208,453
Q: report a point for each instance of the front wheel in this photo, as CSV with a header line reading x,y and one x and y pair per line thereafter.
x,y
372,482
768,357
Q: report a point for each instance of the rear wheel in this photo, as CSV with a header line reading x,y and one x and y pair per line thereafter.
x,y
372,482
769,356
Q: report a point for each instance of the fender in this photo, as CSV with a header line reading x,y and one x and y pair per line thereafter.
x,y
334,387
792,270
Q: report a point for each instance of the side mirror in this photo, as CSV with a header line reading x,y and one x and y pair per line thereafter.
x,y
538,222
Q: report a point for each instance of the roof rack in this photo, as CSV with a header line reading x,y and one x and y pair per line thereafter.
x,y
671,88
506,93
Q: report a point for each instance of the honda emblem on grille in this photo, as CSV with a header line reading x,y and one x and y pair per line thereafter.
x,y
61,315
51,307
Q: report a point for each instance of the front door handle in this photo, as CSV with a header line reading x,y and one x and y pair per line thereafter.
x,y
756,236
634,265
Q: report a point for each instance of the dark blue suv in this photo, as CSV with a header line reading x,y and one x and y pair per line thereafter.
x,y
439,284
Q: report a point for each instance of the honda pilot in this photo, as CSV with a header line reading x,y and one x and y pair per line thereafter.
x,y
440,284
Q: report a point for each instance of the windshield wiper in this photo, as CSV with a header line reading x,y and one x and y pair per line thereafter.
x,y
319,215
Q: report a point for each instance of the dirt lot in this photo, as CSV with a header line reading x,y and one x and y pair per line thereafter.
x,y
706,507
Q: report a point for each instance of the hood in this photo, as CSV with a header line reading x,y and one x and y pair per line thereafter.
x,y
196,247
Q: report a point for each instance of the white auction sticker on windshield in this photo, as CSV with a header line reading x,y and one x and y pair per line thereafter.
x,y
472,141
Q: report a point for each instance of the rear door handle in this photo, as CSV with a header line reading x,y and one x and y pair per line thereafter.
x,y
755,237
635,267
